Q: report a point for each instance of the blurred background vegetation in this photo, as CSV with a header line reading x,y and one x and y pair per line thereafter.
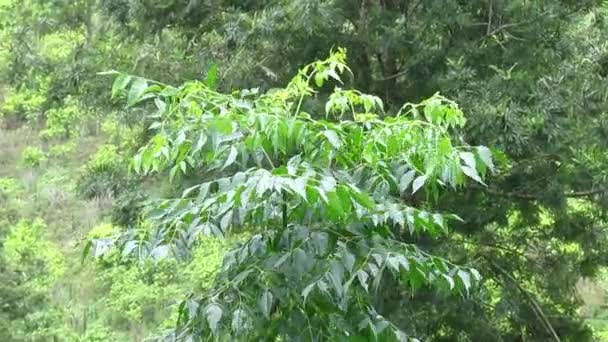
x,y
531,77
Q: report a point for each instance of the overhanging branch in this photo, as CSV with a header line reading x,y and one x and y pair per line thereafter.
x,y
535,306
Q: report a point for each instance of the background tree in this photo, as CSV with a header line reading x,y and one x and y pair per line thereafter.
x,y
529,74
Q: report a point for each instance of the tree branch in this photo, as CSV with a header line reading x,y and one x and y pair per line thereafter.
x,y
536,307
534,197
393,76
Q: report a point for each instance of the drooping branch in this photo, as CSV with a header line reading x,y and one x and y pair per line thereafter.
x,y
535,306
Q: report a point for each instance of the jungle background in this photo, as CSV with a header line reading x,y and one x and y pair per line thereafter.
x,y
530,76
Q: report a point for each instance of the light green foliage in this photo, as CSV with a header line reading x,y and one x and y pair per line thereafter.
x,y
206,262
23,104
145,295
25,245
322,197
65,122
141,293
58,47
103,231
10,202
106,157
62,151
33,156
8,187
31,266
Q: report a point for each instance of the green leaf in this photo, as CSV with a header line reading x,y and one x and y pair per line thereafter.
x,y
320,241
307,291
213,313
465,277
137,89
210,80
334,205
120,83
298,185
406,180
319,79
265,303
202,139
345,199
332,73
362,198
333,138
231,157
486,157
226,221
239,317
348,260
336,275
137,163
469,159
362,276
472,173
418,183
449,280
189,190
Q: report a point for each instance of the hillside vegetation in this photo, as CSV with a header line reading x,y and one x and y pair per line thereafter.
x,y
370,170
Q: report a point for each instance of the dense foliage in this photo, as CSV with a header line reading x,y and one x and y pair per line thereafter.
x,y
530,76
326,198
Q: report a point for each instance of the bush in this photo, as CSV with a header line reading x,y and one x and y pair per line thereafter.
x,y
23,105
103,174
62,151
57,47
64,122
33,156
8,187
25,247
128,207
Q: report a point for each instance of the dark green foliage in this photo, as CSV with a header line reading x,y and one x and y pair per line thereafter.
x,y
531,76
103,175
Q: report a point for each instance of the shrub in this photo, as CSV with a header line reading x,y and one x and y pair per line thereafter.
x,y
8,187
103,174
64,122
62,151
33,156
24,104
56,47
26,249
128,207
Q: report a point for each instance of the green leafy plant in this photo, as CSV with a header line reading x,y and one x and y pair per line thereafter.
x,y
65,122
8,187
33,156
24,105
103,174
62,151
329,202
